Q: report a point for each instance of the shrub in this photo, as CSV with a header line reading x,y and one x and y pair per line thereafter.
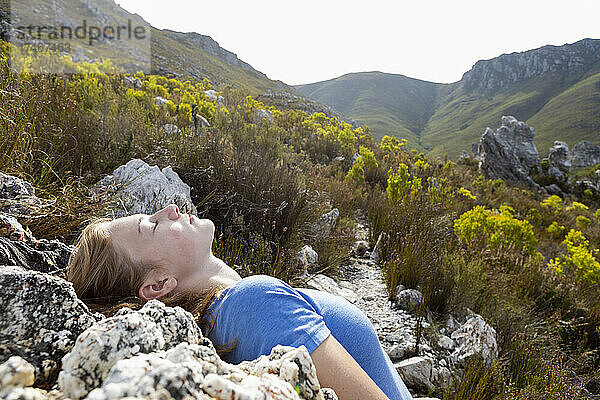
x,y
555,229
582,222
554,202
401,185
577,206
499,229
580,259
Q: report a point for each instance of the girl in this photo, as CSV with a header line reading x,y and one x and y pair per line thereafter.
x,y
168,256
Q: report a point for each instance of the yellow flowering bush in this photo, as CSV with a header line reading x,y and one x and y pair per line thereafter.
x,y
555,229
553,202
580,259
577,206
497,228
582,222
467,193
364,165
402,186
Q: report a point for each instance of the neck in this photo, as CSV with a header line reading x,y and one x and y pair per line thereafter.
x,y
212,273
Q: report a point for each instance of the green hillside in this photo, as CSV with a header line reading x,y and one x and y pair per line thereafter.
x,y
446,118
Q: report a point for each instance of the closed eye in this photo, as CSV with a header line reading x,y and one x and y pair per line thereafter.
x,y
155,225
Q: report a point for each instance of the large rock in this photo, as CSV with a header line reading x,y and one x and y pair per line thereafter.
x,y
40,320
17,197
416,372
559,160
145,189
475,337
509,153
136,353
585,154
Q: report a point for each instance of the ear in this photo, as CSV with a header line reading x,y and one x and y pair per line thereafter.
x,y
155,286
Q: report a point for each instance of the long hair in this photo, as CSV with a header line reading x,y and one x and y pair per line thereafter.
x,y
106,280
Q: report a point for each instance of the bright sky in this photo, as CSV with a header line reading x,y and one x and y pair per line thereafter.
x,y
434,40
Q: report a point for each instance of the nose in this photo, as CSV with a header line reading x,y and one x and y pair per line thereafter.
x,y
171,212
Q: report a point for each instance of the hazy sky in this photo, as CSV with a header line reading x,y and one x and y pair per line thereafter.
x,y
434,40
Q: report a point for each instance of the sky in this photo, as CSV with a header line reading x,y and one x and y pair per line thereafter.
x,y
433,40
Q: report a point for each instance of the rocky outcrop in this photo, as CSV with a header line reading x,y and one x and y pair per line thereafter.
x,y
559,160
487,75
585,154
41,318
509,153
141,188
136,353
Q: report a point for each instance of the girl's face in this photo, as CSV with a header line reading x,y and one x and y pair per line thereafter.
x,y
169,239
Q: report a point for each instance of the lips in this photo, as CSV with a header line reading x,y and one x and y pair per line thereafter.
x,y
191,219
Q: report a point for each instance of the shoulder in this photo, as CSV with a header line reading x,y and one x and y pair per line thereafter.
x,y
258,285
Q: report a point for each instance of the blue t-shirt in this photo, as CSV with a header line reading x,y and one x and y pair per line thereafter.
x,y
261,311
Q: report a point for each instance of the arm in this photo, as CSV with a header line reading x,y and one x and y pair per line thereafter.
x,y
337,369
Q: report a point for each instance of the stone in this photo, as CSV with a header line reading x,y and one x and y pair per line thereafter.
x,y
160,101
476,149
409,299
327,284
40,320
445,343
11,229
307,256
475,337
375,254
361,247
355,157
135,82
16,372
50,256
170,129
585,154
416,372
510,153
145,189
263,114
212,94
554,189
401,350
559,160
321,228
159,348
153,328
17,197
464,156
339,158
12,187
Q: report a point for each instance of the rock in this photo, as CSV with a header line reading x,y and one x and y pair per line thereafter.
x,y
375,256
307,256
476,149
137,353
585,154
464,156
212,94
554,189
50,256
11,229
40,320
445,342
325,224
360,247
16,372
145,189
409,299
160,101
475,337
135,82
197,122
509,153
355,157
327,284
339,158
153,328
559,159
451,324
416,373
264,114
401,350
12,187
171,129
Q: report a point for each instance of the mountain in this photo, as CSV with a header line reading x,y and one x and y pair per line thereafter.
x,y
171,53
555,89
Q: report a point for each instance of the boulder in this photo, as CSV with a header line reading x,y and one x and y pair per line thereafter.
x,y
136,353
40,320
145,189
307,256
416,373
475,337
262,114
559,161
327,284
409,299
585,154
17,197
323,226
554,189
509,153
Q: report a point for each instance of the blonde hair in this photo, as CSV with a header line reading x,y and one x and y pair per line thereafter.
x,y
106,279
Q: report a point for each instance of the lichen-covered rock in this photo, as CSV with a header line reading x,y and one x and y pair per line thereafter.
x,y
41,318
145,189
17,197
585,154
292,365
154,327
11,229
409,299
509,153
50,256
475,337
136,353
307,256
16,378
559,159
